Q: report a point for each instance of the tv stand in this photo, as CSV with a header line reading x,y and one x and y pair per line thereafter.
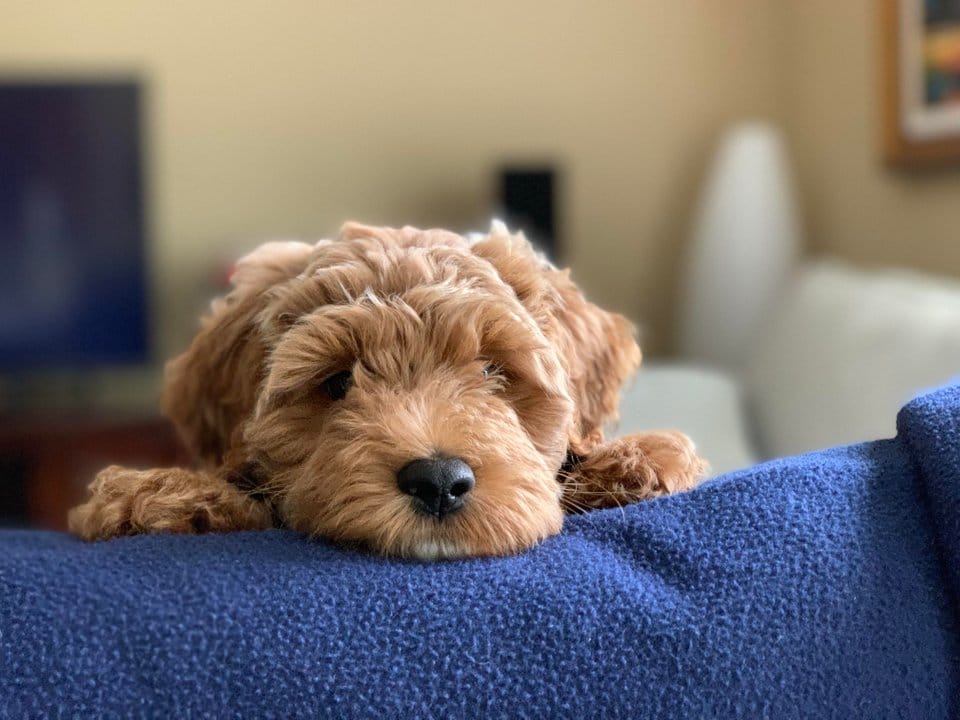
x,y
47,461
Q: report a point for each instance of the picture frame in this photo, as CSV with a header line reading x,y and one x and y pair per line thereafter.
x,y
920,77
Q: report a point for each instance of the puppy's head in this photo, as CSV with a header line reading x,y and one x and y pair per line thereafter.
x,y
391,388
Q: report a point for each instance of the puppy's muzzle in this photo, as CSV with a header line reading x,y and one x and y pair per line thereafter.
x,y
437,485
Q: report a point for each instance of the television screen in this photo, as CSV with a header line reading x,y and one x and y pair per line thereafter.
x,y
72,276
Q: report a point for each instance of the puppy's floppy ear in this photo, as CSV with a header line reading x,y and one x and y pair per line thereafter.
x,y
597,347
603,355
211,388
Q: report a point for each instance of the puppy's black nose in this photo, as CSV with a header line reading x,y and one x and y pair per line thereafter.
x,y
437,485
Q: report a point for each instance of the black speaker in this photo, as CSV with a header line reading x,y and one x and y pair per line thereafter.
x,y
528,203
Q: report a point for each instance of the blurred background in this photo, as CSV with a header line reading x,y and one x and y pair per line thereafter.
x,y
716,171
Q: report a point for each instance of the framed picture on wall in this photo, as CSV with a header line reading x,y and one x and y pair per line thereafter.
x,y
921,81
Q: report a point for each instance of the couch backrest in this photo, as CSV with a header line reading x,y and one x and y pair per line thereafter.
x,y
843,350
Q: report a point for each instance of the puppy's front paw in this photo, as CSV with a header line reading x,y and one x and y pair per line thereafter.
x,y
633,468
673,458
132,502
107,513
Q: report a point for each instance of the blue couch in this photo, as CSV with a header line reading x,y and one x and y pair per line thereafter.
x,y
822,586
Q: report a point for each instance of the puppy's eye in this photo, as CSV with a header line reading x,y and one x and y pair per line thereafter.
x,y
336,386
492,370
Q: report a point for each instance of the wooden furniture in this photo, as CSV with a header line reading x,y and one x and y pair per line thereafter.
x,y
46,463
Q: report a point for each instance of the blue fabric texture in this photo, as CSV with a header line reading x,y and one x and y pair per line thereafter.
x,y
822,586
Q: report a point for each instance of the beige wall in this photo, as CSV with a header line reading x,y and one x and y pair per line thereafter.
x,y
856,208
286,118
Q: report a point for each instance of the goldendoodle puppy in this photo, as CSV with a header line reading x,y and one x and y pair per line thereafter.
x,y
414,392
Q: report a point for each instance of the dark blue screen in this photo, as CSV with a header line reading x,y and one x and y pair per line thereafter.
x,y
72,288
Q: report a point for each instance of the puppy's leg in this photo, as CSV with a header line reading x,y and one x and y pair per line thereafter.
x,y
632,468
131,502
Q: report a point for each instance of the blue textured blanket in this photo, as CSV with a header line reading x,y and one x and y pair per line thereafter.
x,y
823,586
